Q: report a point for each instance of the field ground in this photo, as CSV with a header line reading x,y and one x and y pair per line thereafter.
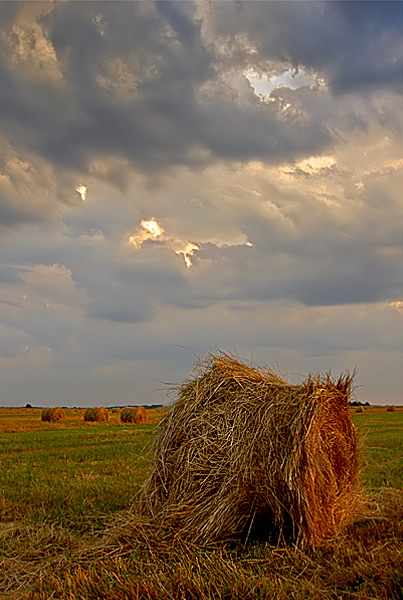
x,y
67,530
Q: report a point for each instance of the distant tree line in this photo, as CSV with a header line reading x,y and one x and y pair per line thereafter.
x,y
358,403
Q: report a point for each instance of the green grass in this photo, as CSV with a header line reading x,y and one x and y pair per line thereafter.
x,y
382,433
67,531
69,476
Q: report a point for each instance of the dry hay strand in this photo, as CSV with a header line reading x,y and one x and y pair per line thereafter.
x,y
53,414
241,453
391,408
131,414
98,413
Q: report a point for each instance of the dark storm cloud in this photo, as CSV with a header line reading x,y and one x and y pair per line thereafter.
x,y
373,55
353,45
131,293
153,114
162,120
289,205
68,124
106,283
128,81
351,275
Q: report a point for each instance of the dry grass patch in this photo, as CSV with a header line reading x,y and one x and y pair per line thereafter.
x,y
139,559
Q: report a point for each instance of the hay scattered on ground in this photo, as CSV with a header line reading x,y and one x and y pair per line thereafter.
x,y
53,414
243,453
131,414
98,413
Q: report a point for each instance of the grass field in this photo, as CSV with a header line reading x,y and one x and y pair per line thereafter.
x,y
67,530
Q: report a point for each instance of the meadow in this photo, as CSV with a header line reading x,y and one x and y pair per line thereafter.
x,y
68,529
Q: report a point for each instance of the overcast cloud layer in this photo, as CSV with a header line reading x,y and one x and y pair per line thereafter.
x,y
182,177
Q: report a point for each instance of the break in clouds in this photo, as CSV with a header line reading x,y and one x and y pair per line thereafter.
x,y
177,177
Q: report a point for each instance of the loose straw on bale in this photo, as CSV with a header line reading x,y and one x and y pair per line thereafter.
x,y
96,414
53,414
243,453
130,414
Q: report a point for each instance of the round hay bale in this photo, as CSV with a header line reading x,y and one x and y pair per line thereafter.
x,y
136,415
96,414
53,414
391,408
241,453
140,416
116,410
359,409
126,414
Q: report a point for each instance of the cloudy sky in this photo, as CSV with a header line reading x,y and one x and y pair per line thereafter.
x,y
185,177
